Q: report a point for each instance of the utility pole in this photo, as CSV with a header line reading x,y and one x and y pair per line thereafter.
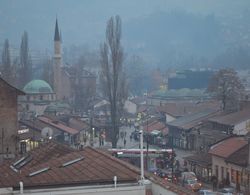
x,y
147,133
147,143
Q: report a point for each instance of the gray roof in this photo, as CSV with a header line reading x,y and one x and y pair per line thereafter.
x,y
189,121
232,118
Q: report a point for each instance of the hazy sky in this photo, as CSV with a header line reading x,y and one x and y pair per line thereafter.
x,y
84,21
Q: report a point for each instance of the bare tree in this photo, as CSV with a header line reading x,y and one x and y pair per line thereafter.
x,y
228,88
113,79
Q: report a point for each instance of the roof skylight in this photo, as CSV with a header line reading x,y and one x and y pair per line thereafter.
x,y
39,171
72,161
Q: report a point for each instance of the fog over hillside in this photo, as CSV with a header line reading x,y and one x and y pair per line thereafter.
x,y
163,32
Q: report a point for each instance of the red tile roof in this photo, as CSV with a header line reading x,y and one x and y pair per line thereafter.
x,y
95,167
58,125
228,146
240,157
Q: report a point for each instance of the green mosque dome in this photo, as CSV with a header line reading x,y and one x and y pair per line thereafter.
x,y
37,86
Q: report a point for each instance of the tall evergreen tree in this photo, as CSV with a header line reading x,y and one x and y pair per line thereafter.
x,y
6,62
25,72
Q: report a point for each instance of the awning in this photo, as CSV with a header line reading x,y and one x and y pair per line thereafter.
x,y
155,132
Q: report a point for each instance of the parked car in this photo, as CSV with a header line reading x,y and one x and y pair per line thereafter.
x,y
167,175
226,191
192,184
206,192
188,175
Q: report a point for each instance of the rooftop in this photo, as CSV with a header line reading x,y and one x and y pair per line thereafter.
x,y
184,108
54,164
191,120
232,118
59,125
239,157
201,159
227,147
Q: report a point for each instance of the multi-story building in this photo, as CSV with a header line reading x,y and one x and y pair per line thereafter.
x,y
8,119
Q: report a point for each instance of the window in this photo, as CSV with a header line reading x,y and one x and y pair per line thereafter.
x,y
23,147
222,172
233,176
216,171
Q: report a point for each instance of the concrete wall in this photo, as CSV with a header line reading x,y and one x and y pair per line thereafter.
x,y
130,107
159,190
241,128
99,190
169,118
227,166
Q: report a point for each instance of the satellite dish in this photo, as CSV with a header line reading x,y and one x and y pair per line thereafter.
x,y
47,133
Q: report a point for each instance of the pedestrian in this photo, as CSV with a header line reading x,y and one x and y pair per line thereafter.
x,y
214,182
125,134
130,137
124,143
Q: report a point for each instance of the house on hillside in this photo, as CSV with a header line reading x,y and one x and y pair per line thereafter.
x,y
8,119
230,162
